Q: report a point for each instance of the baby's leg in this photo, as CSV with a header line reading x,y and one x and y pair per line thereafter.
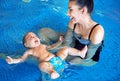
x,y
48,68
47,35
64,52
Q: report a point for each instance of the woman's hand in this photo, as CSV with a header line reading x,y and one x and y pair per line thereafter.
x,y
71,24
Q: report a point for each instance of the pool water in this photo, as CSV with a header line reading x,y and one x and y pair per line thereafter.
x,y
20,16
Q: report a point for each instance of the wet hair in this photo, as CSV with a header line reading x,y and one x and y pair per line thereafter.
x,y
88,3
24,40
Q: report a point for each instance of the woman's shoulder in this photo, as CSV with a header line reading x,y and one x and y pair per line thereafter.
x,y
98,29
97,34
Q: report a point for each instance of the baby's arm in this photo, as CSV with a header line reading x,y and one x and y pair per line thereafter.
x,y
18,60
55,45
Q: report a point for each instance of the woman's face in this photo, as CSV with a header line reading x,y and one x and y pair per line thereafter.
x,y
74,12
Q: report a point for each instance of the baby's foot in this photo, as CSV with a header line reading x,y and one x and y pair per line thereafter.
x,y
83,53
54,75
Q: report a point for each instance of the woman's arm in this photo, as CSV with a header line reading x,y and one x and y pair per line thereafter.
x,y
92,48
68,38
96,39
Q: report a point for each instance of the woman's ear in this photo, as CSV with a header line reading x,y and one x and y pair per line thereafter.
x,y
84,10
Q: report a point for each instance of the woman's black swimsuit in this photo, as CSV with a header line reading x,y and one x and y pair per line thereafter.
x,y
80,43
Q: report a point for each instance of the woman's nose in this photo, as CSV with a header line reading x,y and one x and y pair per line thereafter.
x,y
68,14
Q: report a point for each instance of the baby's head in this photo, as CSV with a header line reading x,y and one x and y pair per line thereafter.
x,y
30,40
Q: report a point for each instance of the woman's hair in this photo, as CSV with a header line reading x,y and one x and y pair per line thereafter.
x,y
88,3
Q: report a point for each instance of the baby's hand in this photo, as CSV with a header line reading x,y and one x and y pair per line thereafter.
x,y
9,60
61,39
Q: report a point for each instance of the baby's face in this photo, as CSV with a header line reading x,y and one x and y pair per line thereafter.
x,y
31,40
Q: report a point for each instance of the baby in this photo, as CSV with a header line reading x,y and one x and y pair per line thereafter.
x,y
49,63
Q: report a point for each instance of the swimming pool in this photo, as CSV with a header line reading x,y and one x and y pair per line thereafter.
x,y
18,17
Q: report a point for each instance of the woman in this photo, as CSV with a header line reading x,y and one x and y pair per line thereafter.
x,y
82,30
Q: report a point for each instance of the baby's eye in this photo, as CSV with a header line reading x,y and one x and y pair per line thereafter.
x,y
31,37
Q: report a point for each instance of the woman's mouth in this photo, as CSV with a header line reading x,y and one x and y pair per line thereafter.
x,y
73,19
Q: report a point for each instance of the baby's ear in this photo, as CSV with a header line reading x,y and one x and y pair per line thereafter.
x,y
25,45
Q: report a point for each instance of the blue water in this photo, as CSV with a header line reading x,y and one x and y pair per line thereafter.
x,y
18,17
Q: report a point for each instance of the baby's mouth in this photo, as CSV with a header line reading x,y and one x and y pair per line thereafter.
x,y
36,41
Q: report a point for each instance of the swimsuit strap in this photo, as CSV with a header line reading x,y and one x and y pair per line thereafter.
x,y
92,30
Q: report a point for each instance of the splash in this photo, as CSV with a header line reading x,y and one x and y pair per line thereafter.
x,y
27,1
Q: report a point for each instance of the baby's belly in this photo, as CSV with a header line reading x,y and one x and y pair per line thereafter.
x,y
46,57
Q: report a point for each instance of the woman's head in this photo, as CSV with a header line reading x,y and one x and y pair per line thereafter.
x,y
82,3
79,9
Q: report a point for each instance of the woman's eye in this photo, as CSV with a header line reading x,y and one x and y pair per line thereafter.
x,y
70,10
